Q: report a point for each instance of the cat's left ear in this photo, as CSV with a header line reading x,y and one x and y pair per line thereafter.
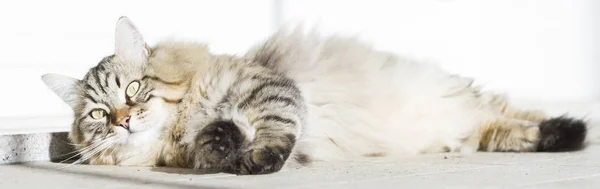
x,y
129,43
64,86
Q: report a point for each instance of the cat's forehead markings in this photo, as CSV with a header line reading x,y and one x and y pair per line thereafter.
x,y
89,97
96,77
101,84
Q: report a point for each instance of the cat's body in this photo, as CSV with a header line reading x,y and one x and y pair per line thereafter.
x,y
294,99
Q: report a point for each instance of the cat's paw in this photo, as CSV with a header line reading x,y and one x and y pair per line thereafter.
x,y
260,161
217,145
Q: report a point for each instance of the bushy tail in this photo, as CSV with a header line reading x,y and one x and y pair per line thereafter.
x,y
557,134
561,134
529,131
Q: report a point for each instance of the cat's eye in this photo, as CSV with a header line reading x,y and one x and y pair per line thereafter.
x,y
97,113
132,89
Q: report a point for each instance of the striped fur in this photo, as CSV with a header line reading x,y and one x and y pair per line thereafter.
x,y
293,99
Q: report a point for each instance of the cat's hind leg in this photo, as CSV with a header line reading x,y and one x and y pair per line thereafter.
x,y
273,143
274,110
518,129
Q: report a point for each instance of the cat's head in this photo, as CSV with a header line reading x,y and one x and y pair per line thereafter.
x,y
113,104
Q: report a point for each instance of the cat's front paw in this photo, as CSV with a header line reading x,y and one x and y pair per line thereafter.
x,y
217,145
260,161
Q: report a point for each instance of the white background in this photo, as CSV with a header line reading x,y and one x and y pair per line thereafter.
x,y
70,36
533,49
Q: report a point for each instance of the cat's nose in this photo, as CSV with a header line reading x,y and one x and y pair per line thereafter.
x,y
125,122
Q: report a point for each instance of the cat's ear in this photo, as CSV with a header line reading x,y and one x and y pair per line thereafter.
x,y
129,43
64,86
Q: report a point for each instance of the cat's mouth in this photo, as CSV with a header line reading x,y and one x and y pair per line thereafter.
x,y
126,132
125,129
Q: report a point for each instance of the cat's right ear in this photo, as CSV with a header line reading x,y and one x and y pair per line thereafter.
x,y
64,86
129,43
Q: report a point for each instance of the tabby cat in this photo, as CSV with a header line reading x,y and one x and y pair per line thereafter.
x,y
293,99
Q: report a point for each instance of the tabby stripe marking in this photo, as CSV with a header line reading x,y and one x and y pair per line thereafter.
x,y
81,118
106,79
118,81
277,98
88,96
255,91
277,119
97,79
162,81
269,128
171,101
89,87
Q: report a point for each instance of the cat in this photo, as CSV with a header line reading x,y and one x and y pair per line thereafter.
x,y
296,98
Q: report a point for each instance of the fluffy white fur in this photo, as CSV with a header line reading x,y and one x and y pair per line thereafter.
x,y
362,101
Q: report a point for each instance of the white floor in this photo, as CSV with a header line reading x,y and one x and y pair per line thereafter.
x,y
481,170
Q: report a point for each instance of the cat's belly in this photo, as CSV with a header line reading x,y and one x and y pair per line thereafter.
x,y
338,132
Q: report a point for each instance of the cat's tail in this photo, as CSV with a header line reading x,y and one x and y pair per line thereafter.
x,y
558,134
561,134
526,130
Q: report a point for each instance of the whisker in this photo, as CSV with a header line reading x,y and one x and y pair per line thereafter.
x,y
93,153
83,150
68,153
78,161
110,155
74,151
89,151
107,148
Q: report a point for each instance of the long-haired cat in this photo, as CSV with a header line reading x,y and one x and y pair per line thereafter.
x,y
293,99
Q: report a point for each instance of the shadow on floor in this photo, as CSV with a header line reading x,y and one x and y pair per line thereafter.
x,y
185,171
100,175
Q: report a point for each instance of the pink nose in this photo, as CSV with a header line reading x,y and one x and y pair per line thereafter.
x,y
124,122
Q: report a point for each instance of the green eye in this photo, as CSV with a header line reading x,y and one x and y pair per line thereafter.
x,y
97,114
132,89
